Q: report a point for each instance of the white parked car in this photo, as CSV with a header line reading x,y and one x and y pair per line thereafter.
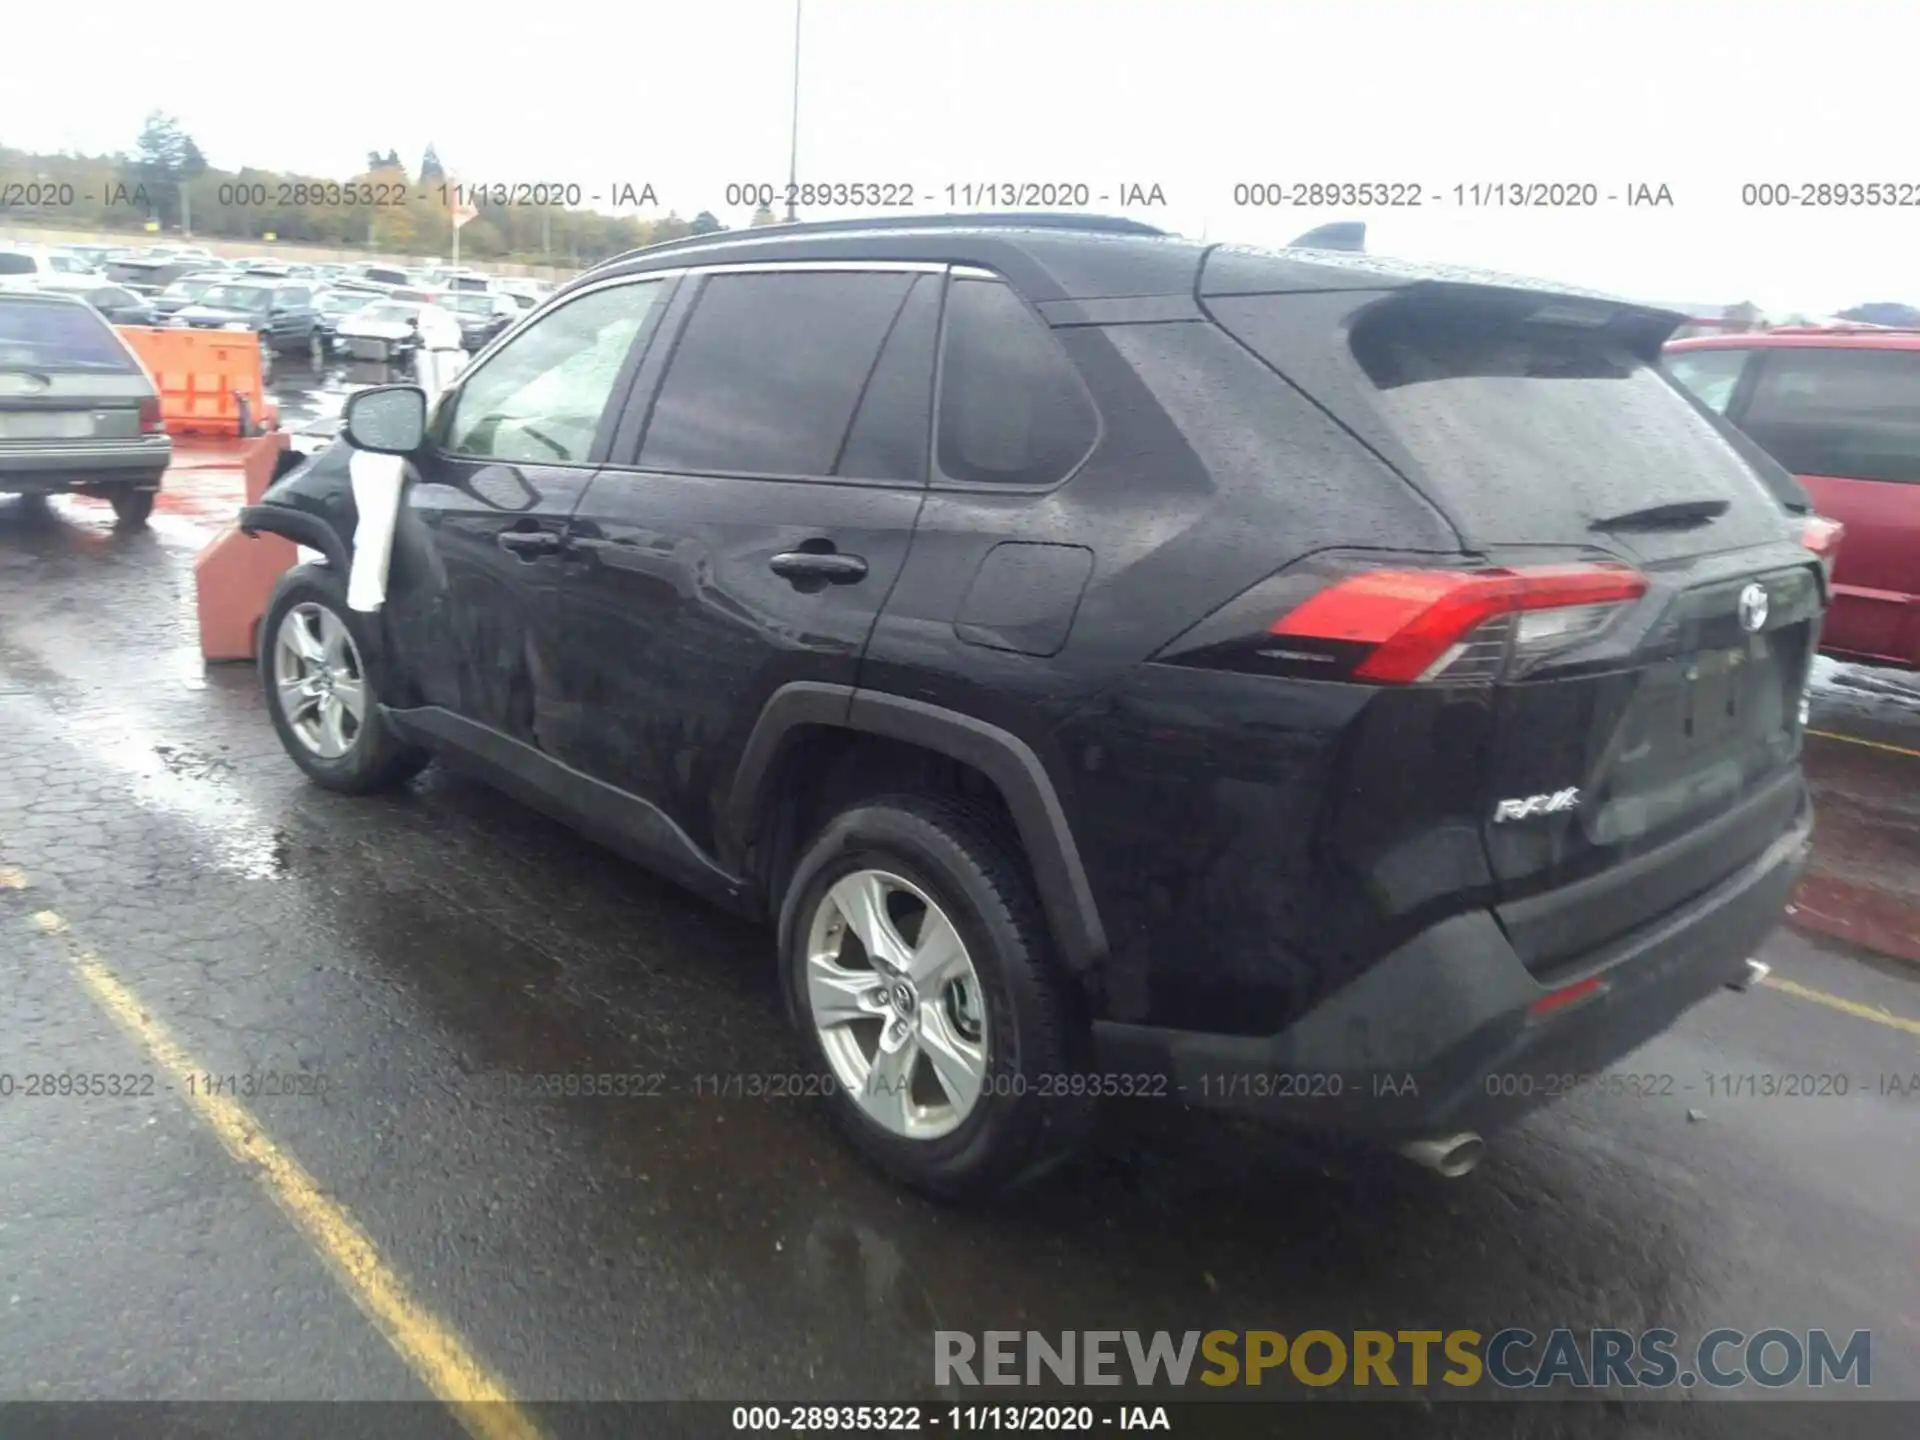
x,y
384,331
25,266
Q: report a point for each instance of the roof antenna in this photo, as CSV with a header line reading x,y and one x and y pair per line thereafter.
x,y
1339,235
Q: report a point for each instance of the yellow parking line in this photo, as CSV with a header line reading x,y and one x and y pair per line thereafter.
x,y
1870,744
1845,1007
482,1402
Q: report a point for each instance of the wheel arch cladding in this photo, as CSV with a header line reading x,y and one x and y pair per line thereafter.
x,y
1009,763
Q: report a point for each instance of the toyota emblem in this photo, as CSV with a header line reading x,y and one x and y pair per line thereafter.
x,y
1753,607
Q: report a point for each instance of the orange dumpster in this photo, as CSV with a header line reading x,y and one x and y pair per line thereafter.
x,y
234,575
209,380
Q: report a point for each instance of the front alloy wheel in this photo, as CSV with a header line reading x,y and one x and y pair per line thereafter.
x,y
322,684
896,1004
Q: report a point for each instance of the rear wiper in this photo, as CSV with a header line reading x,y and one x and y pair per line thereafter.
x,y
1675,514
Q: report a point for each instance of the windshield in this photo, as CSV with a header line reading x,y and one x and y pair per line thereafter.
x,y
237,297
390,312
45,335
338,302
188,289
471,304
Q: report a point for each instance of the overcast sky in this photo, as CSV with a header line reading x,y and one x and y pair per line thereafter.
x,y
1193,95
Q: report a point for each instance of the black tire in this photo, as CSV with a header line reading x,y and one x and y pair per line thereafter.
x,y
959,854
377,759
131,508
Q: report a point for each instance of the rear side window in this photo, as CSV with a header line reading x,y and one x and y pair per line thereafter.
x,y
43,335
1711,375
1013,410
1852,414
1533,430
12,262
766,375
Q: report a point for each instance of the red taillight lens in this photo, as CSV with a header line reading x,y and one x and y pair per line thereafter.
x,y
150,423
1822,536
1566,995
1422,623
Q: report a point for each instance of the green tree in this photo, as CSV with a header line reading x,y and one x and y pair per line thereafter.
x,y
670,228
432,172
762,217
480,238
165,158
1883,312
705,223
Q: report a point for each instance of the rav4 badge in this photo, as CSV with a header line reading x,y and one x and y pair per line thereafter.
x,y
1526,807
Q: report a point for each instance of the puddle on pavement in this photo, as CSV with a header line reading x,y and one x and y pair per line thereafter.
x,y
192,785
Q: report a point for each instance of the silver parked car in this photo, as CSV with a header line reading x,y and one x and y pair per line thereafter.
x,y
78,412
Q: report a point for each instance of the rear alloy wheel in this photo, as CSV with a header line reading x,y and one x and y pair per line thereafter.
x,y
320,692
131,507
917,964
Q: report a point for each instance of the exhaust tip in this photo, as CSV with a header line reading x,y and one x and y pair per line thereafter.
x,y
1450,1156
1751,974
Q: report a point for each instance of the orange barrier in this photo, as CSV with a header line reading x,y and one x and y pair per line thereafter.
x,y
209,380
235,575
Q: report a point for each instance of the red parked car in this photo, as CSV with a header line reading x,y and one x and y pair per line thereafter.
x,y
1840,408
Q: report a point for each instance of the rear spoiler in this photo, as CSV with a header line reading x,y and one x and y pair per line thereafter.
x,y
1348,235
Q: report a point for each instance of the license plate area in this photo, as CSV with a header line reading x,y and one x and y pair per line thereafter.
x,y
47,425
1732,709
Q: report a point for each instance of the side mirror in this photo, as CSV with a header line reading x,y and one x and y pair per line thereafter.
x,y
386,419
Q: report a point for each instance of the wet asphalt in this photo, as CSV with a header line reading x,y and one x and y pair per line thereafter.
x,y
407,955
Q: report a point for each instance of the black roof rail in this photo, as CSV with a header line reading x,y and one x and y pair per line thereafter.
x,y
992,219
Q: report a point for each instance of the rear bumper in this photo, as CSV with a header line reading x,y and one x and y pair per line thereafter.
x,y
1442,1035
77,465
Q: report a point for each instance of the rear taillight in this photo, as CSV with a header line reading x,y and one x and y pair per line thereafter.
x,y
150,422
1461,625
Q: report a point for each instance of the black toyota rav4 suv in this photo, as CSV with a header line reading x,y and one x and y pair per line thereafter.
x,y
1286,681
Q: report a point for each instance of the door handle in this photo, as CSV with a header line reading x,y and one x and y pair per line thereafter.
x,y
830,566
531,544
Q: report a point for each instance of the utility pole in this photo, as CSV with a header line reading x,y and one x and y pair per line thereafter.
x,y
793,129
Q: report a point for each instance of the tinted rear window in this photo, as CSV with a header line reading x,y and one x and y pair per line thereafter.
x,y
1854,414
39,335
14,263
1532,431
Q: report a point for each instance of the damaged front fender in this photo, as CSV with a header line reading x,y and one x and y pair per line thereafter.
x,y
311,505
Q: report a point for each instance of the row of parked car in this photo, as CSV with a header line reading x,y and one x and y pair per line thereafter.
x,y
365,311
